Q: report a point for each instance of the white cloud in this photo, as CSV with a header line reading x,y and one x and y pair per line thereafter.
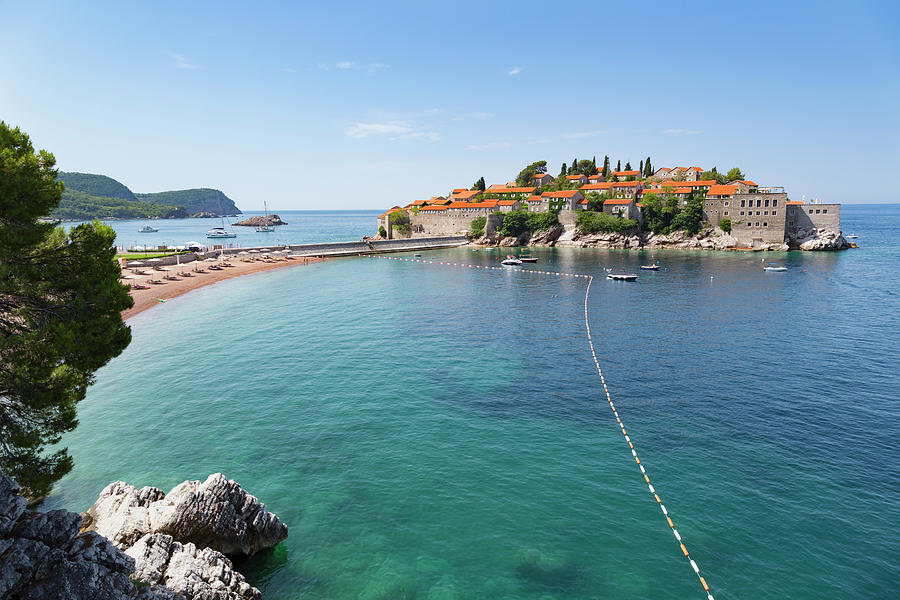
x,y
682,131
399,130
345,64
361,130
489,146
584,134
181,62
426,136
515,71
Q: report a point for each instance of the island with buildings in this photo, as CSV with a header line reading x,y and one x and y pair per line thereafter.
x,y
680,207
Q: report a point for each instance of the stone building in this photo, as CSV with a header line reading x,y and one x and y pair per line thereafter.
x,y
622,207
563,200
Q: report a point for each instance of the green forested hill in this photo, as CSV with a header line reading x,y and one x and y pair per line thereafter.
x,y
96,185
195,201
90,196
82,207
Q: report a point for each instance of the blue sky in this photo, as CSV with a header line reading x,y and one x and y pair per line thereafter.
x,y
364,105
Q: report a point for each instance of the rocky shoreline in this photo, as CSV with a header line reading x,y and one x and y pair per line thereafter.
x,y
708,239
260,221
134,543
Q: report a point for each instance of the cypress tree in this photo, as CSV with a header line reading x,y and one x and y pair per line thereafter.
x,y
648,170
642,168
605,167
618,165
627,166
562,170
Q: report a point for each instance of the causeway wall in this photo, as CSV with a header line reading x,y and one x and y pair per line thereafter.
x,y
329,249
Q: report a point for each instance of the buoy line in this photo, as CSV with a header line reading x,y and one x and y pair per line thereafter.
x,y
587,326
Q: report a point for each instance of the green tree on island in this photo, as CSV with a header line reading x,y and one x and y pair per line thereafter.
x,y
734,175
479,185
525,178
60,315
605,171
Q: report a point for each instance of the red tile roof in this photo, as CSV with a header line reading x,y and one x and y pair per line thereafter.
x,y
603,185
795,202
507,202
457,190
721,190
747,182
625,184
625,173
705,182
485,204
562,194
433,208
574,177
533,199
619,201
466,194
513,190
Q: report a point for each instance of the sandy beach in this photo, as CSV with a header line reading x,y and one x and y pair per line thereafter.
x,y
144,299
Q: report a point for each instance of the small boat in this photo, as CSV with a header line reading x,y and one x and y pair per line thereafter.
x,y
219,233
147,229
851,236
620,275
417,255
650,267
511,260
774,267
528,259
265,227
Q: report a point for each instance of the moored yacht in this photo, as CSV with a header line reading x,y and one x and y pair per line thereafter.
x,y
511,260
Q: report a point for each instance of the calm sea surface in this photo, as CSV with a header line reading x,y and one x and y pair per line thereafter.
x,y
438,433
303,227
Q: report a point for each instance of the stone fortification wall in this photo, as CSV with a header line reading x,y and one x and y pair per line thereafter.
x,y
818,216
761,217
567,217
427,223
492,224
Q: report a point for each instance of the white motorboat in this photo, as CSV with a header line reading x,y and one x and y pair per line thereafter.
x,y
851,236
650,267
147,229
773,267
511,260
220,233
620,275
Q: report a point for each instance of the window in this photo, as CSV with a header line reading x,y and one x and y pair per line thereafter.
x,y
767,201
775,202
824,210
757,223
765,224
742,213
757,213
726,213
774,212
758,203
818,211
742,204
726,203
765,212
791,223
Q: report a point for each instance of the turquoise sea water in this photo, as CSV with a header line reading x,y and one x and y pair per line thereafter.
x,y
303,227
438,433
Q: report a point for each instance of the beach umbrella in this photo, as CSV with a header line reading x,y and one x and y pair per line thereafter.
x,y
164,269
155,260
254,252
211,259
129,277
136,263
243,253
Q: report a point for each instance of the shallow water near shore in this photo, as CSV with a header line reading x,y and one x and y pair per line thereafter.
x,y
433,432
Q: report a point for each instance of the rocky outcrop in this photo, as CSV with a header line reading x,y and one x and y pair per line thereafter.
x,y
216,513
818,239
187,570
44,556
260,221
63,555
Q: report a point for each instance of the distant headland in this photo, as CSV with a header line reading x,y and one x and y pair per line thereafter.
x,y
591,206
91,196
